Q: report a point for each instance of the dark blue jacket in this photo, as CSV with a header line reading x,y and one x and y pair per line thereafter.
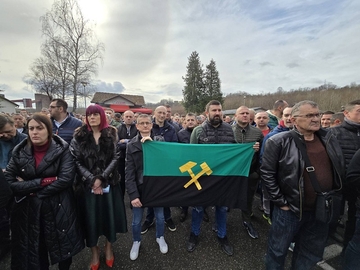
x,y
66,130
167,131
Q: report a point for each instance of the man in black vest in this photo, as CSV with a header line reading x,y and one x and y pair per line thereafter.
x,y
212,131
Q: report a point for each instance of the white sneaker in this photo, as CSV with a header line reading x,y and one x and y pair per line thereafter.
x,y
134,252
162,244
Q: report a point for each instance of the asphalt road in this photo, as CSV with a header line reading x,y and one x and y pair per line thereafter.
x,y
248,253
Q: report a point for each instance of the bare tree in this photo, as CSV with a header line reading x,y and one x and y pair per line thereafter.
x,y
71,51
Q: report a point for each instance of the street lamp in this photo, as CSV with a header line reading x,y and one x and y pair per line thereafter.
x,y
84,84
244,100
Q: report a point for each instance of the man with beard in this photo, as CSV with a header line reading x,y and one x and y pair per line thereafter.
x,y
63,123
262,120
246,133
212,131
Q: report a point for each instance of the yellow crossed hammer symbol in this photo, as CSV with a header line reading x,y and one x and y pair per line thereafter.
x,y
194,178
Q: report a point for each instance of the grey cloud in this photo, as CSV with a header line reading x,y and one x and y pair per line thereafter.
x,y
115,87
263,64
292,65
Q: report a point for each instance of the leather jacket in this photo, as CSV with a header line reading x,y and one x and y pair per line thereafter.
x,y
283,166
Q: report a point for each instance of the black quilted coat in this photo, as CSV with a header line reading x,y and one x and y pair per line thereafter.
x,y
48,209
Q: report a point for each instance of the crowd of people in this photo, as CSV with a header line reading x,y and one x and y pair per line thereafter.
x,y
64,178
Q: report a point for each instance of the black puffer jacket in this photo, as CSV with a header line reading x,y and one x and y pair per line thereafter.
x,y
96,161
51,209
348,136
283,166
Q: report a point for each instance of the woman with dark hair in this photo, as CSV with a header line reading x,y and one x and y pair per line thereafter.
x,y
43,217
96,155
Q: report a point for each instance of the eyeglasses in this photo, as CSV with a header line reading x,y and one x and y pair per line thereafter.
x,y
144,123
309,115
53,107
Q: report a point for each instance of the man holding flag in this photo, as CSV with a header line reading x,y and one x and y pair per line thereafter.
x,y
212,131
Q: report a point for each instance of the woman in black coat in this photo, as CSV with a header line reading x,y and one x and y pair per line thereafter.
x,y
43,217
98,187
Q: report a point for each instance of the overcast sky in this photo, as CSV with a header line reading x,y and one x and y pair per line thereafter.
x,y
258,45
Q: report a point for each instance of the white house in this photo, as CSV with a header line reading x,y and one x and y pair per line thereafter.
x,y
7,106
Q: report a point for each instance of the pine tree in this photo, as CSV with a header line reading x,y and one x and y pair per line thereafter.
x,y
212,84
194,89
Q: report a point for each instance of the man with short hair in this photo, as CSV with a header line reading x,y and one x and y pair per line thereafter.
x,y
326,119
246,133
161,127
110,113
64,124
212,131
336,119
169,120
9,138
290,189
262,120
134,181
276,113
184,137
284,125
348,135
126,132
19,122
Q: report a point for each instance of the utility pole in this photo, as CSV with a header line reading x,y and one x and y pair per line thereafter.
x,y
84,84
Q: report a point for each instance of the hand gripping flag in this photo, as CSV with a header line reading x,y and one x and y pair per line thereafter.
x,y
196,174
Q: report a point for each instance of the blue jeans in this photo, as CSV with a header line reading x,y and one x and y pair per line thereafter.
x,y
352,252
150,214
137,218
310,239
220,216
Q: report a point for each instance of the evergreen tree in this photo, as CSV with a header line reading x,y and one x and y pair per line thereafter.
x,y
194,89
212,84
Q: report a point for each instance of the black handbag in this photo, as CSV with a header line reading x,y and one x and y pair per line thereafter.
x,y
328,204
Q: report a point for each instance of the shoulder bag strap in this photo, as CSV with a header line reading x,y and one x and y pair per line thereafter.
x,y
310,169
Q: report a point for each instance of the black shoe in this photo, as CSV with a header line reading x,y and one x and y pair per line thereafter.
x,y
183,215
225,246
145,227
250,229
192,243
206,216
170,224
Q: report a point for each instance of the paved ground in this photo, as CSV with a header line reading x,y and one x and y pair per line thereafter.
x,y
248,253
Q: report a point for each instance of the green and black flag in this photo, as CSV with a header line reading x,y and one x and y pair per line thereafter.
x,y
177,174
